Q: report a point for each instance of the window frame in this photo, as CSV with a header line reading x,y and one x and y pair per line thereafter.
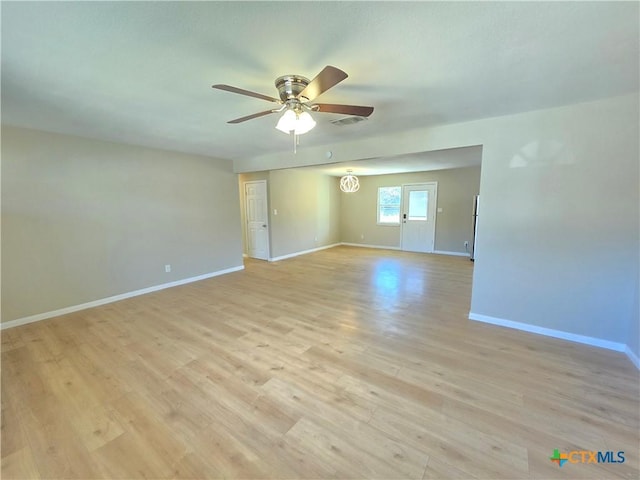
x,y
378,205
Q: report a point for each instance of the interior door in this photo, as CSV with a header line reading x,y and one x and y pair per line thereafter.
x,y
418,217
257,215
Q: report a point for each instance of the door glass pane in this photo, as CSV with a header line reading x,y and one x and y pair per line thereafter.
x,y
418,202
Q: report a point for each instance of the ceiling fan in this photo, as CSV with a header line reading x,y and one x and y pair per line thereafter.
x,y
297,94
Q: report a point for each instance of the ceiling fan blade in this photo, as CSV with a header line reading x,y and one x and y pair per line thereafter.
x,y
327,78
344,109
229,88
250,117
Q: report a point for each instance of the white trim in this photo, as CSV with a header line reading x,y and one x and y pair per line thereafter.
x,y
303,252
456,254
632,356
115,298
549,332
364,245
383,247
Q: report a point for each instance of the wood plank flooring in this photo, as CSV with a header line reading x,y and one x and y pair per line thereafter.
x,y
345,363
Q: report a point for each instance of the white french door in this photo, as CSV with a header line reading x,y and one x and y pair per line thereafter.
x,y
418,217
257,216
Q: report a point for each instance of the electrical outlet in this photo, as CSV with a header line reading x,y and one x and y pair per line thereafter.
x,y
362,236
167,268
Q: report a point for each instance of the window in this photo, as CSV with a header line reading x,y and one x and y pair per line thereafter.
x,y
389,205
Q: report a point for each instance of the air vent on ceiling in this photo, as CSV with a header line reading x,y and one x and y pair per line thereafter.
x,y
348,120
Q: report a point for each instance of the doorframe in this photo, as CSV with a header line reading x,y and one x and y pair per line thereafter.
x,y
435,209
245,222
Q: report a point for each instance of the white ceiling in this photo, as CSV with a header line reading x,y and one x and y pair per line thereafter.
x,y
141,72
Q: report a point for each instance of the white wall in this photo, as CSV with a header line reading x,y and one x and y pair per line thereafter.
x,y
84,220
558,232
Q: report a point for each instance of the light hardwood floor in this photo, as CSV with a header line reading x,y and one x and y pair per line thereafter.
x,y
346,363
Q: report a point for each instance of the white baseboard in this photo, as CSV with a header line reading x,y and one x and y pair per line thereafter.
x,y
549,332
383,247
456,254
632,356
303,252
115,298
364,245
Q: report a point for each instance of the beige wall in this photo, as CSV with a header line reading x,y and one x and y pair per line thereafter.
x,y
84,220
308,205
456,189
558,233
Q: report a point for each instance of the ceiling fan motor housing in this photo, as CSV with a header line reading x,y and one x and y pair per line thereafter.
x,y
290,86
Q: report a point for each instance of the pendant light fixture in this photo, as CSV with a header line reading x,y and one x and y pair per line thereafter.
x,y
349,183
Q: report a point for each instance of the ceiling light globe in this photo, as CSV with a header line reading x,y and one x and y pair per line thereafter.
x,y
305,123
287,122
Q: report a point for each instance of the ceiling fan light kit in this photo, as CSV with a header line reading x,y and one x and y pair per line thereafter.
x,y
296,101
294,122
